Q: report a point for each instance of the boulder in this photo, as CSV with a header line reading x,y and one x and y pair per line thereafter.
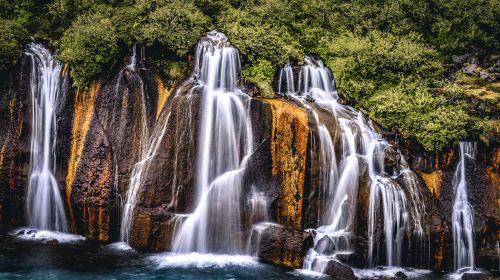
x,y
284,247
469,69
476,276
325,246
391,159
339,271
460,59
400,275
53,242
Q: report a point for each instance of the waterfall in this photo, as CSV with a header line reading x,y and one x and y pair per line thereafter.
x,y
148,147
225,143
359,143
44,203
462,217
286,76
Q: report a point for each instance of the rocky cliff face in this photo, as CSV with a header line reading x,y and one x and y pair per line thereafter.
x,y
14,143
437,170
99,138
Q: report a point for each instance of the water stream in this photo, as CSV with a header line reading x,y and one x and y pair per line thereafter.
x,y
148,147
463,217
45,206
360,144
225,143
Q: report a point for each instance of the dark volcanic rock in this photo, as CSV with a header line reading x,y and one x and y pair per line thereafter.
x,y
339,271
476,276
284,247
325,246
53,242
14,141
168,180
400,275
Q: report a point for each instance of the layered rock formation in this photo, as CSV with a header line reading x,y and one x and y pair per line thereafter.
x,y
99,134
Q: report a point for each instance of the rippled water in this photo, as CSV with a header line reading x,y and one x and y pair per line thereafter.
x,y
77,259
30,256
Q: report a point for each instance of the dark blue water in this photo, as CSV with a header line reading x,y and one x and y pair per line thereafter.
x,y
22,259
82,260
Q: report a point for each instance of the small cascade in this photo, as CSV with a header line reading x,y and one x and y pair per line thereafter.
x,y
463,217
416,207
360,144
258,218
139,171
395,218
44,203
259,208
225,143
147,149
286,76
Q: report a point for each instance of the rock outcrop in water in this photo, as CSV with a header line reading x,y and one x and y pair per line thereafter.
x,y
99,144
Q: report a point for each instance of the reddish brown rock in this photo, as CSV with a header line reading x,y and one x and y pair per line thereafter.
x,y
168,185
284,247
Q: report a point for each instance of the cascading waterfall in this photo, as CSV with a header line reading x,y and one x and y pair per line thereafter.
x,y
258,218
224,146
44,203
463,217
359,142
286,74
148,147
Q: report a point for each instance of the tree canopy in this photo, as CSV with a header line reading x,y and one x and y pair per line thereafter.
x,y
386,56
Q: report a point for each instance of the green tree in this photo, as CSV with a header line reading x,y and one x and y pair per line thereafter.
x,y
12,38
90,44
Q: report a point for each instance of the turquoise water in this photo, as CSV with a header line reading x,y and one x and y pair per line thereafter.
x,y
29,256
81,260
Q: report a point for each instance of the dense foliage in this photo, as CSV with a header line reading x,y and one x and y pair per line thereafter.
x,y
387,56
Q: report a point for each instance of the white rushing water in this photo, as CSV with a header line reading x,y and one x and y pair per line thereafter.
x,y
147,149
225,142
44,202
463,217
359,142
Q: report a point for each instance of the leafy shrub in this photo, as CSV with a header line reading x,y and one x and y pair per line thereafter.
x,y
440,128
365,64
12,37
175,24
89,45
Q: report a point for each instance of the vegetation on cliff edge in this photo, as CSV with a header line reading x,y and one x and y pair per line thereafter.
x,y
388,57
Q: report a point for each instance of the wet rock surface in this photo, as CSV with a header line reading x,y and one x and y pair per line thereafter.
x,y
284,247
168,184
476,276
14,142
98,146
339,271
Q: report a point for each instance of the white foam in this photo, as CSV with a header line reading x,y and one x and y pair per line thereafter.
x,y
45,235
389,272
120,246
308,273
203,260
458,274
